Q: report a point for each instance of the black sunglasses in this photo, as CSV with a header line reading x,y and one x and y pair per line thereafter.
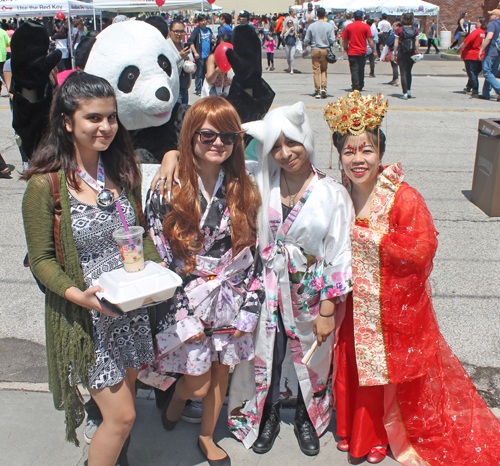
x,y
209,137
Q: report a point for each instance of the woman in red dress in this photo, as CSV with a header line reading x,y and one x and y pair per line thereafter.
x,y
398,383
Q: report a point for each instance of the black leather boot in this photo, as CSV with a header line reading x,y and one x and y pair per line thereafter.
x,y
269,428
305,431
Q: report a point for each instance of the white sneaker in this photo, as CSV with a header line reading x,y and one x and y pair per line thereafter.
x,y
192,413
323,93
90,429
317,95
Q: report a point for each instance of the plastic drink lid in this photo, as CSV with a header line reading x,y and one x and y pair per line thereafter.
x,y
121,234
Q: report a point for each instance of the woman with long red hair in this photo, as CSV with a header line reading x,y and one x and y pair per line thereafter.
x,y
207,233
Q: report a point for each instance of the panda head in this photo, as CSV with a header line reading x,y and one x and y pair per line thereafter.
x,y
142,68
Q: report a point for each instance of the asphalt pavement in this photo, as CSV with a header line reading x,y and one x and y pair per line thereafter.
x,y
433,135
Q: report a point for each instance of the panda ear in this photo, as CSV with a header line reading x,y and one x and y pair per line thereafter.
x,y
83,51
159,23
256,129
296,113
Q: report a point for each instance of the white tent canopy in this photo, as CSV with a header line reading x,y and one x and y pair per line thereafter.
x,y
27,8
124,6
417,7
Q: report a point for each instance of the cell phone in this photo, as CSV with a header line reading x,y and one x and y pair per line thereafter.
x,y
112,307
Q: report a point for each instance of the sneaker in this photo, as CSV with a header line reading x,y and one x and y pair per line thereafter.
x,y
371,75
391,83
192,413
272,68
291,71
317,95
483,97
396,84
409,94
323,93
90,428
404,97
267,68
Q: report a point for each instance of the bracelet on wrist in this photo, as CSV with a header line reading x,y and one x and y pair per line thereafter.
x,y
331,315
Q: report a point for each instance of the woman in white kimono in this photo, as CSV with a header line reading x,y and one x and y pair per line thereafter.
x,y
304,230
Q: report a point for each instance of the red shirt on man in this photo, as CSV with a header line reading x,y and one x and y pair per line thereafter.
x,y
357,33
472,44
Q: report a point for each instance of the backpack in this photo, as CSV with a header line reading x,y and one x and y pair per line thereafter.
x,y
408,40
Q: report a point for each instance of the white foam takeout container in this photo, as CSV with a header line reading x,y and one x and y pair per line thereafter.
x,y
130,291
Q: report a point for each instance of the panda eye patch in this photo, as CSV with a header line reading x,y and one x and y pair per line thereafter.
x,y
165,65
128,78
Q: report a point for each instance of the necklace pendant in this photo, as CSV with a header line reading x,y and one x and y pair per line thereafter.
x,y
291,203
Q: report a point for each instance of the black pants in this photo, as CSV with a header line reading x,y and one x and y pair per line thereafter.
x,y
431,43
357,67
371,59
473,68
279,40
270,59
395,71
405,66
280,344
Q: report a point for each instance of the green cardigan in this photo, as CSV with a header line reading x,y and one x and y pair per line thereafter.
x,y
68,327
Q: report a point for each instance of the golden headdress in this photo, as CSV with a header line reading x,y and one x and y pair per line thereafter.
x,y
356,113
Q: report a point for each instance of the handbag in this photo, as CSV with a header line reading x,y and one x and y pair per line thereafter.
x,y
330,56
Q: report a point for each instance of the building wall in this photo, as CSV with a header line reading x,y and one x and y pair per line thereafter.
x,y
258,7
449,11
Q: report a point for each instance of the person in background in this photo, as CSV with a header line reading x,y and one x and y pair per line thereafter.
x,y
266,25
216,81
470,49
292,15
370,53
278,30
461,31
406,45
310,16
431,37
385,29
200,42
290,39
225,25
390,55
375,34
320,36
61,41
270,45
176,33
5,169
491,60
348,20
4,43
355,38
79,32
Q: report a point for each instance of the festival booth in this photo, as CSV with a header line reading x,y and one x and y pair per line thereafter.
x,y
28,9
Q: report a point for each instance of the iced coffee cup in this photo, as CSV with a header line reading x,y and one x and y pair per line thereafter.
x,y
131,248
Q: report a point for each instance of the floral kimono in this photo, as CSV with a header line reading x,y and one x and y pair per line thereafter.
x,y
222,290
309,260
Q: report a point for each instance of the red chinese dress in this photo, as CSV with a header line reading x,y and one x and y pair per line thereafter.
x,y
397,380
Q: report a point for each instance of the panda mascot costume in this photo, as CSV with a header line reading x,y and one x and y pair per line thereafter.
x,y
142,68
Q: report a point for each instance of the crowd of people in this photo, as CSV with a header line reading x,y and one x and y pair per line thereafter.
x,y
275,257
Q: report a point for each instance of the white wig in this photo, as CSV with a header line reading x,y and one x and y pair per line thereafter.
x,y
291,121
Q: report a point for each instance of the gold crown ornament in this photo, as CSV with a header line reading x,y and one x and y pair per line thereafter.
x,y
356,113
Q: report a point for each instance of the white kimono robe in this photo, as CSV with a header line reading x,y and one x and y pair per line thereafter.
x,y
309,260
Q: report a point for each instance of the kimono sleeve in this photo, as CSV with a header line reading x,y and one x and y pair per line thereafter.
x,y
411,243
337,271
155,210
247,317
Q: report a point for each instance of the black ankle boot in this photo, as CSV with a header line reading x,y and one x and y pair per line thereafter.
x,y
305,431
269,428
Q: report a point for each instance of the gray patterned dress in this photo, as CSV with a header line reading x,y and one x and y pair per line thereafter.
x,y
120,342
